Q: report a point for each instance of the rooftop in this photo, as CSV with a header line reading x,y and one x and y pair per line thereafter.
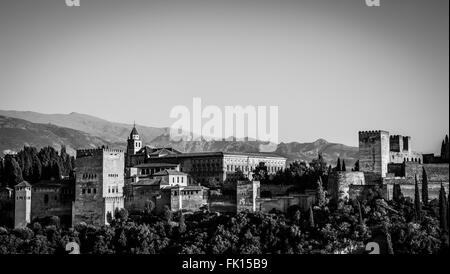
x,y
23,184
150,165
221,154
169,172
148,182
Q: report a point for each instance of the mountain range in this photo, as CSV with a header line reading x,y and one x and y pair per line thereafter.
x,y
75,130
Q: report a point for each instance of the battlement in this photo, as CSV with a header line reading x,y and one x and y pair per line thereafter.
x,y
371,133
96,152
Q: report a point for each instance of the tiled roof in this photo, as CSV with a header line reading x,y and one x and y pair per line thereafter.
x,y
169,172
148,182
150,165
220,153
24,184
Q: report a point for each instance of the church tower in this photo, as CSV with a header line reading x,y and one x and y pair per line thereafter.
x,y
134,144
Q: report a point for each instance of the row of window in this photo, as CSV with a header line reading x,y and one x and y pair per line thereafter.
x,y
88,190
113,175
186,192
113,189
178,179
251,168
89,176
23,198
212,167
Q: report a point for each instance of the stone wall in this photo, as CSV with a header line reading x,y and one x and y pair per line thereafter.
x,y
7,211
408,190
275,190
396,170
52,201
283,203
187,199
246,194
339,183
367,192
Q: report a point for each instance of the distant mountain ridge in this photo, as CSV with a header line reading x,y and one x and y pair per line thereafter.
x,y
109,131
17,133
77,130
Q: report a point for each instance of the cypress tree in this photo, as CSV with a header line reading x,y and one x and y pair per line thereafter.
x,y
311,217
443,207
12,172
356,168
390,249
424,187
397,193
448,211
338,165
417,205
343,166
361,221
320,194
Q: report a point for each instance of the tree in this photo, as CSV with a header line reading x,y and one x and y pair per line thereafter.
x,y
319,166
260,172
338,165
443,207
417,204
1,171
12,172
343,166
181,224
167,214
361,220
320,194
311,217
356,167
121,215
397,193
424,186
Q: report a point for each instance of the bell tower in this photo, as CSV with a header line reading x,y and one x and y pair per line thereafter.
x,y
134,144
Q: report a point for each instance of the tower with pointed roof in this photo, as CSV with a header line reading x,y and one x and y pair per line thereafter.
x,y
134,144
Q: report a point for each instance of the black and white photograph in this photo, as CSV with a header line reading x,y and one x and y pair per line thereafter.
x,y
224,133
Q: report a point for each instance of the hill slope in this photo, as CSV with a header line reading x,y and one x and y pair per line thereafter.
x,y
109,131
309,151
80,130
17,133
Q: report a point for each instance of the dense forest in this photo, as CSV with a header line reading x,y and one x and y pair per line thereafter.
x,y
399,227
32,165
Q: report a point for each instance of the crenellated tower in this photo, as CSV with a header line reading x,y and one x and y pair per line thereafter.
x,y
374,150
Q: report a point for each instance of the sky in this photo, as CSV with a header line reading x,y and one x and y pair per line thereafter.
x,y
332,67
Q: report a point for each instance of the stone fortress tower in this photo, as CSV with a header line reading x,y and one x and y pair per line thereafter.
x,y
134,144
374,152
99,185
22,208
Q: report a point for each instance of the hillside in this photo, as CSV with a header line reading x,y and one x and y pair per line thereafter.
x,y
80,130
309,151
106,130
17,133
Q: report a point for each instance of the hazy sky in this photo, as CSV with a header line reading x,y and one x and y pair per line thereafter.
x,y
333,67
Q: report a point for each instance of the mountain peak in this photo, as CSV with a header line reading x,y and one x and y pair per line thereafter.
x,y
320,142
